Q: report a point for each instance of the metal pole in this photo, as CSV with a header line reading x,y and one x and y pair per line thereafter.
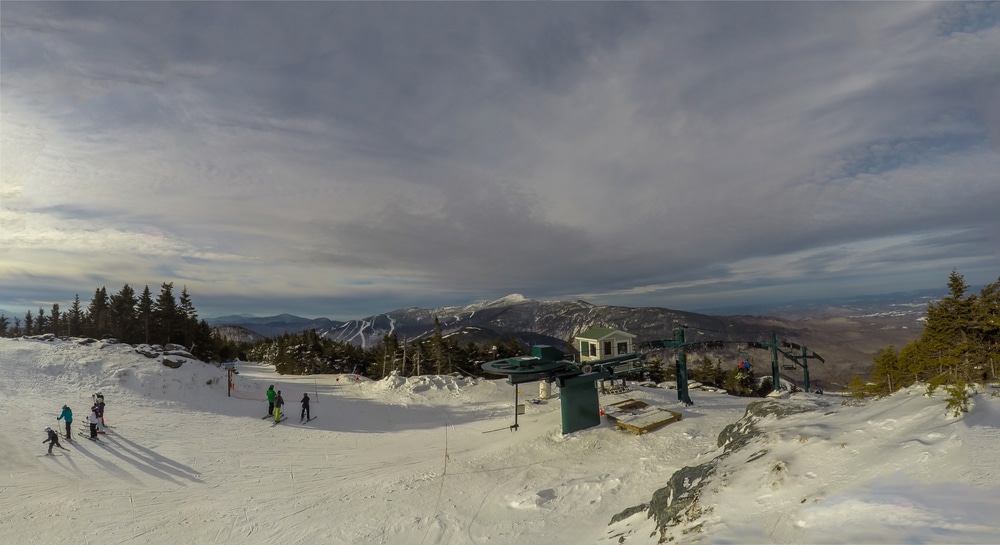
x,y
775,375
516,391
682,370
805,369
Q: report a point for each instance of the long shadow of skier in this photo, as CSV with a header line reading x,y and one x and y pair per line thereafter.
x,y
161,462
103,463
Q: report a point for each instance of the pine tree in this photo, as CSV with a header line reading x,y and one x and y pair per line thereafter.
x,y
122,315
945,340
55,324
41,322
985,330
97,314
188,319
29,323
144,313
437,347
888,375
75,318
165,314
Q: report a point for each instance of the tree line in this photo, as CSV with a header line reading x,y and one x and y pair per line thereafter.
x,y
959,346
129,318
165,319
310,353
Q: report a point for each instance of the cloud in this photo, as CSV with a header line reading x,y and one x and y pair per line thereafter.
x,y
419,153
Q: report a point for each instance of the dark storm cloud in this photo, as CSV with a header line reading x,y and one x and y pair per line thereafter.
x,y
639,153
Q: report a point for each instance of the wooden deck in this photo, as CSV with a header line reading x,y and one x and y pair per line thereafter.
x,y
638,417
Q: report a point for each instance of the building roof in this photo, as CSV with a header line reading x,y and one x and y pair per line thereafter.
x,y
600,333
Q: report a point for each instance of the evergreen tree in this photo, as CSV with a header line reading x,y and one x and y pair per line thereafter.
x,y
97,314
959,344
29,323
41,322
4,324
437,347
55,324
985,330
144,314
165,314
122,315
888,375
207,347
188,319
75,318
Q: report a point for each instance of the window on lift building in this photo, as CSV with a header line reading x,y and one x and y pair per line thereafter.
x,y
607,348
622,348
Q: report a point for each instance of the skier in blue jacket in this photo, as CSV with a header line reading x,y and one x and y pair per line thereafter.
x,y
67,415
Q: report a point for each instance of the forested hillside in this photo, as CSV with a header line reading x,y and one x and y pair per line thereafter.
x,y
960,346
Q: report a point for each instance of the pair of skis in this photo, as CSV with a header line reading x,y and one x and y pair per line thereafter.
x,y
94,439
54,453
283,418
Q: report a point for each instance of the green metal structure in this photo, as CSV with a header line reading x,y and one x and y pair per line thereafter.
x,y
578,385
681,362
579,400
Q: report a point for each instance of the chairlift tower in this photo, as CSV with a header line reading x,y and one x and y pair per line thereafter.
x,y
578,391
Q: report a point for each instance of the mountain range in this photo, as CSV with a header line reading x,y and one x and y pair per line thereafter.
x,y
846,333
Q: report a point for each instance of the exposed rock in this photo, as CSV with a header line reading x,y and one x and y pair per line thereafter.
x,y
179,353
629,512
679,501
147,352
173,363
671,504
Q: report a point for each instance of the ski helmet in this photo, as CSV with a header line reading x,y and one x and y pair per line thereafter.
x,y
48,428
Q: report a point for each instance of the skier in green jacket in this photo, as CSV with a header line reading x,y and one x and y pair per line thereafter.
x,y
270,400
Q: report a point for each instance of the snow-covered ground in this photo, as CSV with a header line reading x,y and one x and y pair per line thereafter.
x,y
430,460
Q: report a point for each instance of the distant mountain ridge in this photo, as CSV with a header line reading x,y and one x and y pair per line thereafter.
x,y
847,337
272,326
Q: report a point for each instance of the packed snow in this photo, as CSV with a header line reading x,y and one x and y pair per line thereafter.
x,y
432,460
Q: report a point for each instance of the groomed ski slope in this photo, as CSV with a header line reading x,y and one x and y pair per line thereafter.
x,y
430,460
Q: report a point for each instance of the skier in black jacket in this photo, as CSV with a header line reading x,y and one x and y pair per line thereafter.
x,y
305,408
52,440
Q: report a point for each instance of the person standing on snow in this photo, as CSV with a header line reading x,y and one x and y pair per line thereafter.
x,y
279,402
270,400
52,440
305,408
94,421
67,415
99,404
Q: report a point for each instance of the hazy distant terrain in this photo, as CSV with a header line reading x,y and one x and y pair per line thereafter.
x,y
846,332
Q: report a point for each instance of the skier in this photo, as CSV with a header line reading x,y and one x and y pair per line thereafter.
x,y
278,403
67,415
270,400
305,408
52,440
94,420
99,403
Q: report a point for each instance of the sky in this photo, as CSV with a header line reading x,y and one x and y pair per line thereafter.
x,y
430,460
344,159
